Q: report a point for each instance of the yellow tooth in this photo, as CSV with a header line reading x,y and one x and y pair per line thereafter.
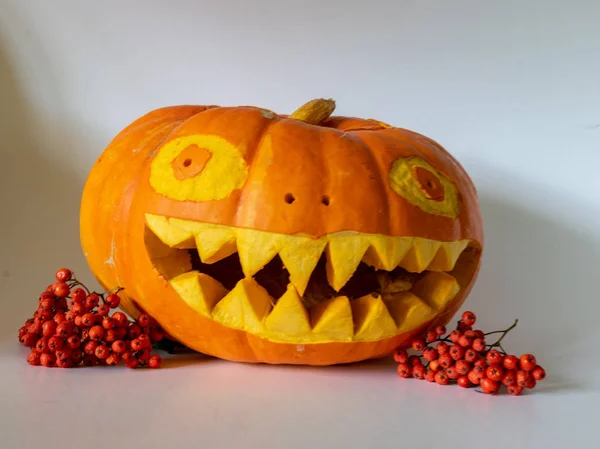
x,y
300,256
436,288
289,316
408,310
168,233
244,307
332,319
256,249
215,243
199,291
372,320
385,253
169,262
420,255
448,254
344,253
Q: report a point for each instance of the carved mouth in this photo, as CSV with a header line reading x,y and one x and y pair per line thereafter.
x,y
346,286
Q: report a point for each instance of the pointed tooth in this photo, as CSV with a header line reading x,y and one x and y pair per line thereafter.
x,y
448,254
300,256
372,320
436,288
289,316
256,249
332,319
216,243
385,253
169,262
420,255
408,310
168,233
344,253
200,291
244,307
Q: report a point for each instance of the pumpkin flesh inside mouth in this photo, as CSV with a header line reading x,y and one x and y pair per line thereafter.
x,y
342,287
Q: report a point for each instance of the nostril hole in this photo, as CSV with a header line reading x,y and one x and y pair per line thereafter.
x,y
187,162
289,198
325,200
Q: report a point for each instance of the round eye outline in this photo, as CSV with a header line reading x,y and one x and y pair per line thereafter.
x,y
222,172
422,185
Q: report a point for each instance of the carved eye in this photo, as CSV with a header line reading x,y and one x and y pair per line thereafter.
x,y
198,168
422,185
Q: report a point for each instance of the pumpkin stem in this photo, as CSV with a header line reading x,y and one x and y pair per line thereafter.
x,y
315,111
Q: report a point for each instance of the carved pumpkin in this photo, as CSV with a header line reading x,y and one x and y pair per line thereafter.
x,y
302,239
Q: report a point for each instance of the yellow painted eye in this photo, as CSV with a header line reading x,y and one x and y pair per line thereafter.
x,y
198,168
422,185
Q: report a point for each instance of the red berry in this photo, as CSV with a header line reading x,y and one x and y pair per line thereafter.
x,y
455,335
70,316
64,275
538,373
61,289
29,340
531,382
102,352
514,390
430,354
73,341
90,347
42,345
471,355
136,345
523,378
49,328
510,362
59,317
489,386
479,334
33,358
495,372
108,323
78,296
103,310
157,335
471,334
442,378
76,356
67,363
510,378
119,347
430,376
88,320
120,333
440,330
155,361
431,337
404,370
48,360
85,333
144,320
55,343
90,360
527,362
463,367
482,363
45,315
63,354
463,381
78,321
418,371
435,365
112,301
412,360
132,363
465,341
474,377
445,360
97,333
36,328
494,357
479,345
442,347
456,352
144,355
113,359
468,318
92,300
47,304
78,309
110,336
418,344
120,319
126,355
463,327
134,331
61,304
452,373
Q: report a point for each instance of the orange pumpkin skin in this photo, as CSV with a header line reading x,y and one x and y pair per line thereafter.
x,y
346,159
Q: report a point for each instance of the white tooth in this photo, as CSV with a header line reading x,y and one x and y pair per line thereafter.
x,y
200,291
244,307
344,253
168,233
257,248
420,255
300,256
385,253
448,254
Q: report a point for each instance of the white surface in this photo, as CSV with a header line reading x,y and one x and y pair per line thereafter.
x,y
510,88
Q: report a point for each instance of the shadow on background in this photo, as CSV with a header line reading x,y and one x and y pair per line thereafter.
x,y
39,196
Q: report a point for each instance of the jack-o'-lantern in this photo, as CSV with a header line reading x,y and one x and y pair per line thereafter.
x,y
301,239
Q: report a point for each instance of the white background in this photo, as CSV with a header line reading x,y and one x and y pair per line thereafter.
x,y
511,88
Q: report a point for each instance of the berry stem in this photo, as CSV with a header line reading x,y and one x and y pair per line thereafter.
x,y
504,333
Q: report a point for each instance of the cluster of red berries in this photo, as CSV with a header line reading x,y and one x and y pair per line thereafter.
x,y
73,326
464,357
